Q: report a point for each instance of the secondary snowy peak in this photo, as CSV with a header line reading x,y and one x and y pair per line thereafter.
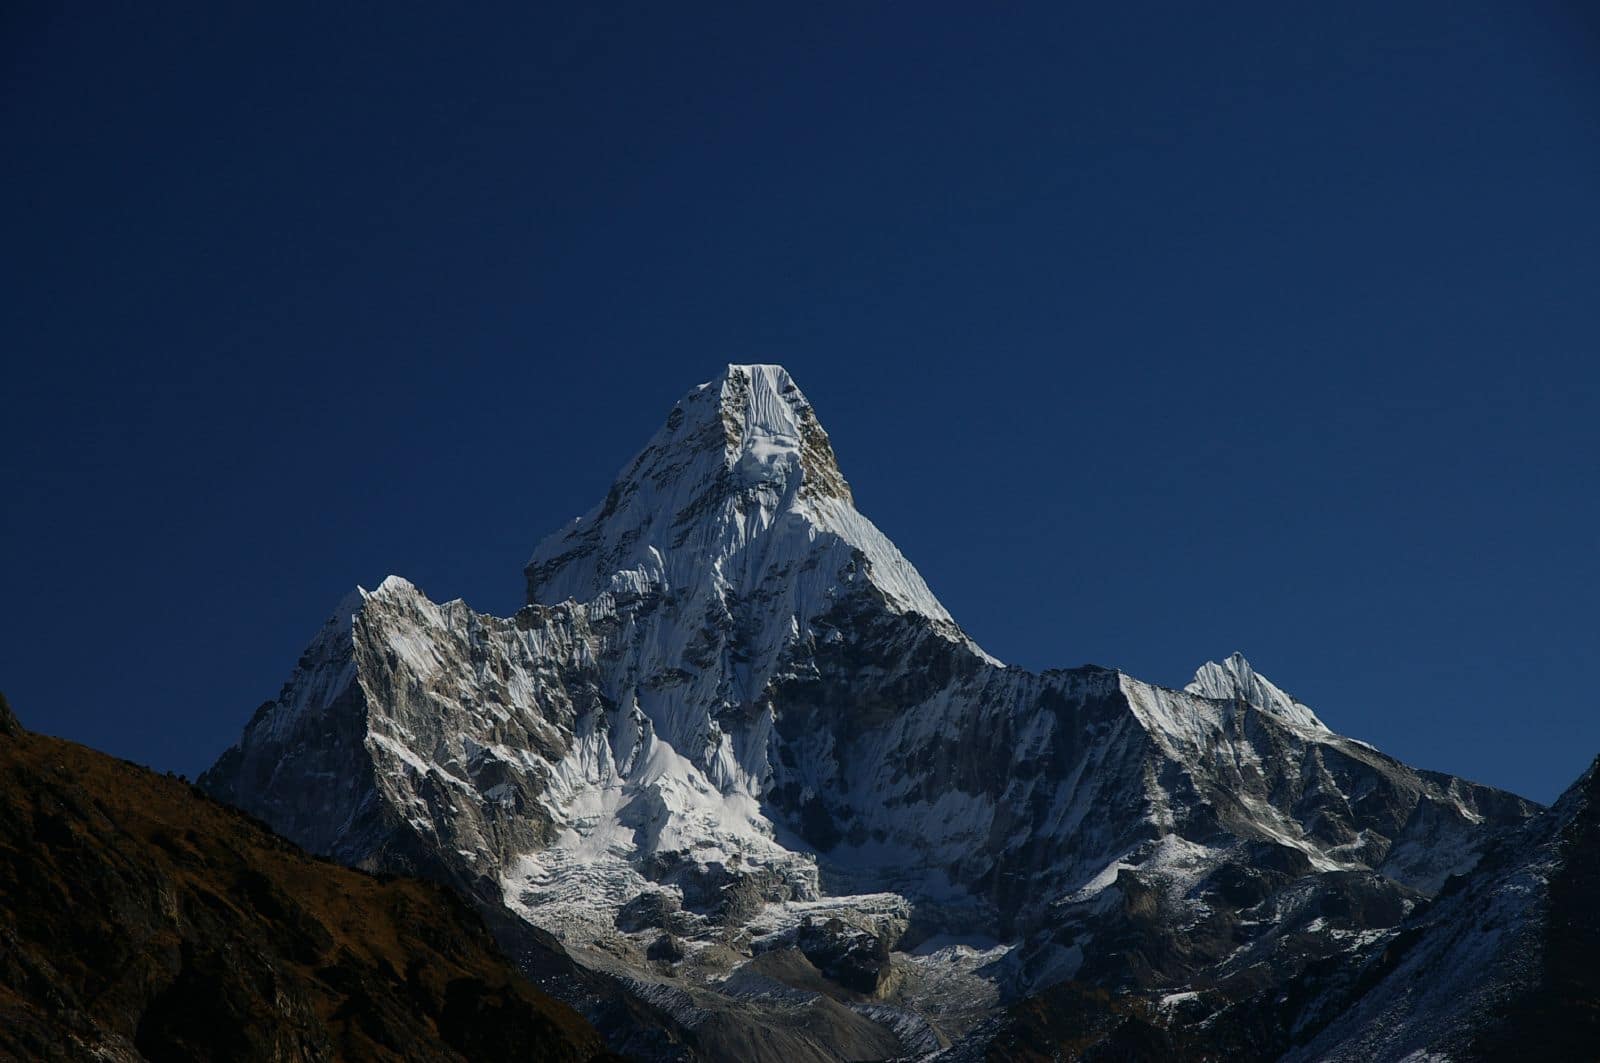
x,y
1234,680
739,485
326,669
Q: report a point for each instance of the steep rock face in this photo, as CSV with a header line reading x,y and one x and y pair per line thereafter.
x,y
141,920
730,692
1503,965
407,722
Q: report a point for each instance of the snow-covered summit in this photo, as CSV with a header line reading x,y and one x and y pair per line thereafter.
x,y
738,493
1234,680
720,550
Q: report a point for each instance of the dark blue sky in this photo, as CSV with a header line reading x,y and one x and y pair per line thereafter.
x,y
1149,332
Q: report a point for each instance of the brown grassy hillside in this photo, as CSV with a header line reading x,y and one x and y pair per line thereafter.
x,y
141,920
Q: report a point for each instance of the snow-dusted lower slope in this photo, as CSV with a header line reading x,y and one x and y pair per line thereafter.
x,y
731,704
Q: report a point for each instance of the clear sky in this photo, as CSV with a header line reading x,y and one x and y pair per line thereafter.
x,y
1148,331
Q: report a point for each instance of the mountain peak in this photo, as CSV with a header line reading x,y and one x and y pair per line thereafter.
x,y
734,721
738,487
770,432
1234,679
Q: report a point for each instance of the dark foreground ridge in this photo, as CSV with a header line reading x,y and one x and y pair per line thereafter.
x,y
141,920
